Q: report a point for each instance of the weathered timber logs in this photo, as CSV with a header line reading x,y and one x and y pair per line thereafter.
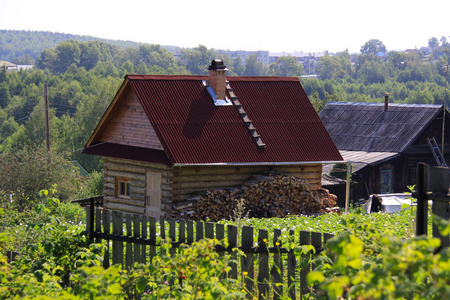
x,y
271,195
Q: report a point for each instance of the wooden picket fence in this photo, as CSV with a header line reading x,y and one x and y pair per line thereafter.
x,y
141,246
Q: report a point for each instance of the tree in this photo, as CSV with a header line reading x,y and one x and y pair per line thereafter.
x,y
433,43
238,66
4,89
127,68
4,95
154,55
26,59
7,127
373,46
253,67
327,68
27,171
89,55
46,59
313,86
67,53
197,60
288,66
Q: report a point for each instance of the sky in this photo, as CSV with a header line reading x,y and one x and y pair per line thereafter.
x,y
275,26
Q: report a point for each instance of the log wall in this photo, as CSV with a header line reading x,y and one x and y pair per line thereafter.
x,y
179,183
129,125
136,171
188,180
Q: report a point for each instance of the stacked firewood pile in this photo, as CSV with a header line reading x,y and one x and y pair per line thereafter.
x,y
271,195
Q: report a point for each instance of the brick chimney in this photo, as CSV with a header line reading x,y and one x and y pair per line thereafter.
x,y
386,101
217,78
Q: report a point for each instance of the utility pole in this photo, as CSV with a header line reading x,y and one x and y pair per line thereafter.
x,y
47,123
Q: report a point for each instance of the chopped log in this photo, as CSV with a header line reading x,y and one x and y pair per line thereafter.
x,y
263,195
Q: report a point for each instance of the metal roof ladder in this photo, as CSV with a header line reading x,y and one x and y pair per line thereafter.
x,y
436,152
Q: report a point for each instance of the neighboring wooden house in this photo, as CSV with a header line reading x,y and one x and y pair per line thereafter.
x,y
166,137
385,141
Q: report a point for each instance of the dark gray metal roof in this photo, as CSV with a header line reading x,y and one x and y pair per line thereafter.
x,y
368,127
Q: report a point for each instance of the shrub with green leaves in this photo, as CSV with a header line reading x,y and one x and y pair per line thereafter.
x,y
381,267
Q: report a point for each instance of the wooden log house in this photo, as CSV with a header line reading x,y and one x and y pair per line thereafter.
x,y
385,141
164,138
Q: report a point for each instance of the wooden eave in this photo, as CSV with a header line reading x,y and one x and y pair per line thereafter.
x,y
425,127
107,115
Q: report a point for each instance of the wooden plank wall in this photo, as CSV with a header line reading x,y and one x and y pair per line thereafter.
x,y
136,171
188,180
129,125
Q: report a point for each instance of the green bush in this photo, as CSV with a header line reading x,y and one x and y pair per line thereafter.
x,y
375,266
26,172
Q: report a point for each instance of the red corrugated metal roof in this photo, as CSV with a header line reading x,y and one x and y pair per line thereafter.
x,y
193,130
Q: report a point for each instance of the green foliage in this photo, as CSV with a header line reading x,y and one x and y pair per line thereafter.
x,y
25,172
381,267
366,259
197,272
287,66
373,46
197,60
253,67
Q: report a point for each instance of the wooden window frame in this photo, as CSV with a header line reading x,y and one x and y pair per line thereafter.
x,y
127,186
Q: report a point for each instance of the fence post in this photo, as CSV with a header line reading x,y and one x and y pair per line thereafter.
x,y
305,239
441,208
137,234
422,202
247,260
263,273
209,230
107,230
172,237
129,245
220,236
182,232
90,219
327,237
190,232
277,269
232,243
292,264
199,231
118,231
144,226
152,224
162,232
98,219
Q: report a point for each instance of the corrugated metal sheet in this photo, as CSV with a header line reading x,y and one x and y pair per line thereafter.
x,y
193,130
376,130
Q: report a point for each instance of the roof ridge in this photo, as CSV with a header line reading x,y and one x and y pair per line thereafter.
x,y
382,104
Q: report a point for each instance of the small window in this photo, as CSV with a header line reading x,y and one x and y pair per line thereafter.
x,y
123,187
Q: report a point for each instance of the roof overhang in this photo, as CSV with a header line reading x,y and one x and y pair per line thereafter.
x,y
259,163
361,159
